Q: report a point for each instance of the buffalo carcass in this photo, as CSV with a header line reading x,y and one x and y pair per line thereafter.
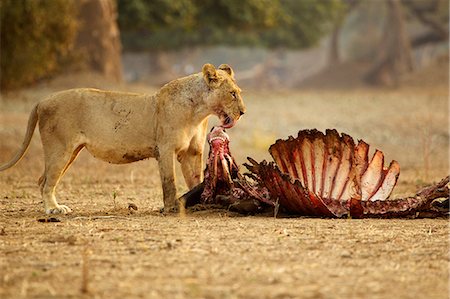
x,y
314,174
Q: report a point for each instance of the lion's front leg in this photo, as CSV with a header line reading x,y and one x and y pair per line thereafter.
x,y
167,173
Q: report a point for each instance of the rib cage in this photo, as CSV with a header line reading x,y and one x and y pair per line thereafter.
x,y
315,175
327,175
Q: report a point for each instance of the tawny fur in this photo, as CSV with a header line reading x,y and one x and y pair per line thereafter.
x,y
120,127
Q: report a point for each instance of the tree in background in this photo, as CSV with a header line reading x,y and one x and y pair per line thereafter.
x,y
98,38
395,51
434,15
334,54
172,24
394,56
404,26
40,38
159,25
37,38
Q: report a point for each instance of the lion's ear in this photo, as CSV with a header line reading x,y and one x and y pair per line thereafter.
x,y
210,74
228,69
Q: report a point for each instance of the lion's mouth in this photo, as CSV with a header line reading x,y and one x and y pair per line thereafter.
x,y
227,121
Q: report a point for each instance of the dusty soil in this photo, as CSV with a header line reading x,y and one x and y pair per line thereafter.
x,y
110,251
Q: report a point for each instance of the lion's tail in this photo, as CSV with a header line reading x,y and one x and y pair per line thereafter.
x,y
32,121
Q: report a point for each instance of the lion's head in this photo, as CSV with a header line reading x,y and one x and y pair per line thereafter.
x,y
225,96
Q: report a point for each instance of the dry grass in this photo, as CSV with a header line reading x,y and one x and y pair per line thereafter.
x,y
211,254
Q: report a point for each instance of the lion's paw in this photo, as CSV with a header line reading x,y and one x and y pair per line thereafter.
x,y
169,210
59,209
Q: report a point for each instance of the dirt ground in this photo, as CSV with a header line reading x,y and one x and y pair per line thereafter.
x,y
110,251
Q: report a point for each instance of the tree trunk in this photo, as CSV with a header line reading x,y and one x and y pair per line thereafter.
x,y
427,13
334,54
334,58
98,37
395,56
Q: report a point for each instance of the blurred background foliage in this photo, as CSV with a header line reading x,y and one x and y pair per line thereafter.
x,y
37,39
41,38
165,24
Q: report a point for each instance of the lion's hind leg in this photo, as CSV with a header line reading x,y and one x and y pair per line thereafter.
x,y
57,161
192,159
191,166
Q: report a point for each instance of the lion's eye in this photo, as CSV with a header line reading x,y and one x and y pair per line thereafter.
x,y
233,94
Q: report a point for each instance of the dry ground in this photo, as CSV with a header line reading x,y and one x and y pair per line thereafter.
x,y
214,254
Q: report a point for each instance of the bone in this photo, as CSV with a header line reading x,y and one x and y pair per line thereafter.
x,y
285,195
297,155
288,158
230,160
307,166
215,169
334,153
226,170
278,153
361,157
343,171
373,177
388,183
318,158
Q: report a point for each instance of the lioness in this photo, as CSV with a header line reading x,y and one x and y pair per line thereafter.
x,y
120,127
